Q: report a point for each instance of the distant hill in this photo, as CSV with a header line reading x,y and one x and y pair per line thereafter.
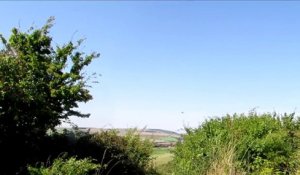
x,y
160,137
163,131
124,130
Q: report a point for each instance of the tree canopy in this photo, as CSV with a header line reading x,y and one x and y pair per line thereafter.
x,y
40,84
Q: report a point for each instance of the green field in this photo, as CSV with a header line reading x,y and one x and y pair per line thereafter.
x,y
162,158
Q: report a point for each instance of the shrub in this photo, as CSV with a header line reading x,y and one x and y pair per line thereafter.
x,y
116,154
70,166
252,144
127,154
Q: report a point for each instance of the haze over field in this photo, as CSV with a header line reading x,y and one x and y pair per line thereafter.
x,y
169,64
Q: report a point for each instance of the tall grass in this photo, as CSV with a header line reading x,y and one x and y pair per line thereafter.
x,y
224,162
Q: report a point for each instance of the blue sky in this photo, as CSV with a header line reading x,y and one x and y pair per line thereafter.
x,y
169,64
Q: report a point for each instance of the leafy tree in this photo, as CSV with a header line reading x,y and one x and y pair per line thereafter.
x,y
40,84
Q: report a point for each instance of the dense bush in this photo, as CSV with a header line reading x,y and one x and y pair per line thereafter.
x,y
115,154
120,155
251,144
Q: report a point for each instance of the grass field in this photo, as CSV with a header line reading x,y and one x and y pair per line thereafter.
x,y
161,160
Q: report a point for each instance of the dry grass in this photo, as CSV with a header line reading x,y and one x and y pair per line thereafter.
x,y
224,164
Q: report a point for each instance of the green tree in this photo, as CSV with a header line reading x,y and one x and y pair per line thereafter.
x,y
40,84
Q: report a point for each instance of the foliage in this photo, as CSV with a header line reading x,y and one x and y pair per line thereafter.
x,y
127,154
252,144
116,154
138,150
70,166
40,85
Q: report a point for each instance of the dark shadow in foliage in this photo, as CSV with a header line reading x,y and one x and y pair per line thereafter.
x,y
116,155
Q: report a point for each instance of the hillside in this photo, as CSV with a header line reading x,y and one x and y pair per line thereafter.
x,y
160,137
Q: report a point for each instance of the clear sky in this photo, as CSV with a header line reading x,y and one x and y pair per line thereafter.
x,y
170,64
